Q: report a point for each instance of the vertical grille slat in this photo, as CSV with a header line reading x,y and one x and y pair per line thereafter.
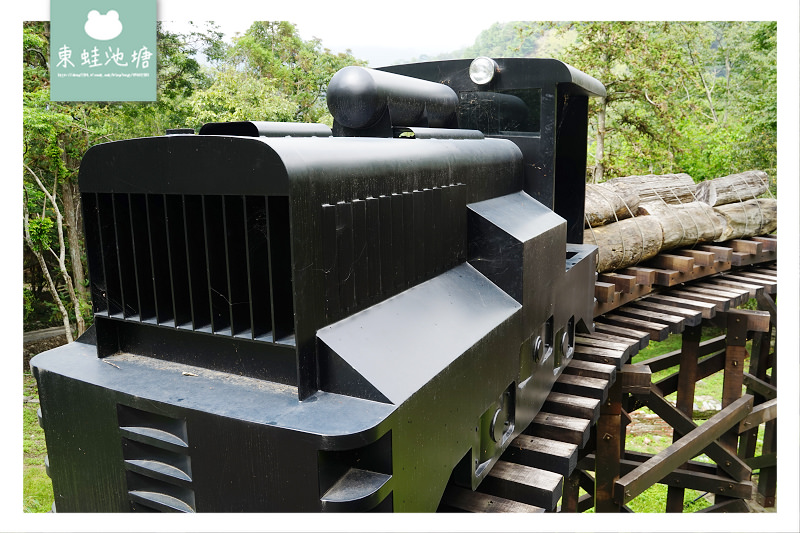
x,y
238,266
142,264
418,234
122,237
330,265
108,253
428,231
196,255
216,263
178,264
245,229
159,253
397,242
387,258
280,258
373,228
344,256
203,263
409,246
435,230
360,252
227,260
258,258
97,272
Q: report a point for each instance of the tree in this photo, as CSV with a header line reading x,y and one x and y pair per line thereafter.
x,y
680,95
732,86
51,156
501,40
236,95
37,237
632,114
299,70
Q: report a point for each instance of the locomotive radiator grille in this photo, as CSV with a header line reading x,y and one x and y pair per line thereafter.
x,y
214,264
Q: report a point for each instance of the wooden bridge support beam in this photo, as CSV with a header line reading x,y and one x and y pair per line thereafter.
x,y
609,446
687,379
760,362
739,323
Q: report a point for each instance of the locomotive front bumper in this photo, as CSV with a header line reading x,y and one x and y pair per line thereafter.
x,y
128,432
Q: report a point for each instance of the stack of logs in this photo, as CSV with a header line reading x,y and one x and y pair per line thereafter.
x,y
634,218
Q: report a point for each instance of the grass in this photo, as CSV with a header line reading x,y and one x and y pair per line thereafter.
x,y
37,489
653,500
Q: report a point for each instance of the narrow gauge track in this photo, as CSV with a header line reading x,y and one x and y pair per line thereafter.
x,y
633,307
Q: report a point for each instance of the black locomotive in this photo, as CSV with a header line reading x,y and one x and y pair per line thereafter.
x,y
293,318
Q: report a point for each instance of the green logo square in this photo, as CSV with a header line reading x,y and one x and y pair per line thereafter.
x,y
103,50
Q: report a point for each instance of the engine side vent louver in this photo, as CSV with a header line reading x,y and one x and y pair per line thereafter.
x,y
215,264
158,468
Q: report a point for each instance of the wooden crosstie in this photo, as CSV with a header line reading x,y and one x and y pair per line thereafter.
x,y
577,441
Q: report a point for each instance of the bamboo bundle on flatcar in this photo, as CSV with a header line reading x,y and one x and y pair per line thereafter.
x,y
633,218
733,188
748,219
685,224
609,202
626,242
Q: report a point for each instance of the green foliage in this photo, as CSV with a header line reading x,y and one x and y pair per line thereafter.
x,y
41,230
236,95
27,303
695,97
179,71
716,149
501,39
298,70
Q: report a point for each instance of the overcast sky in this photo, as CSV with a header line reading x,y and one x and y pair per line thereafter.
x,y
381,36
387,32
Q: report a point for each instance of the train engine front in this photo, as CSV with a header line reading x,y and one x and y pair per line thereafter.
x,y
296,319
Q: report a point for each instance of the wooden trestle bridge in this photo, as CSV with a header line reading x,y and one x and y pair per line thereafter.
x,y
578,440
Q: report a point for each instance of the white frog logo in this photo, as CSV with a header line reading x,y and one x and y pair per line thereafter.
x,y
103,27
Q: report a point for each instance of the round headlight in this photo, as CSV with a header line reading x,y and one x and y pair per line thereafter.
x,y
482,70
